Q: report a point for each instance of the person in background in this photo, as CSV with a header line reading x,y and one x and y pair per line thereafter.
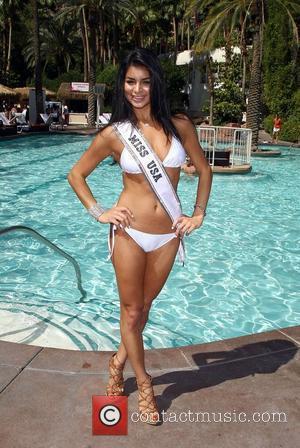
x,y
12,113
24,112
188,167
27,113
66,114
277,124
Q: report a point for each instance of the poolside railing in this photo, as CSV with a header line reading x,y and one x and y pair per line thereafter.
x,y
225,146
52,246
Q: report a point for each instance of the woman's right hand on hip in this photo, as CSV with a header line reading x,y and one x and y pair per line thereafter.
x,y
119,215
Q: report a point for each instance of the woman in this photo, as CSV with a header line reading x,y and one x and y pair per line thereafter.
x,y
144,235
188,167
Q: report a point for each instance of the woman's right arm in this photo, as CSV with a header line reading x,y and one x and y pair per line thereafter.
x,y
99,149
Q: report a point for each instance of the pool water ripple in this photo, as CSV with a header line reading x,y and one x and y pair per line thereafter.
x,y
242,270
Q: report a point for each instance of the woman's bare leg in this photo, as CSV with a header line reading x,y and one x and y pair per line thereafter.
x,y
129,262
158,266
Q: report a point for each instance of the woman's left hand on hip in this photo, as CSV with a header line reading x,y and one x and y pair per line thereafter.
x,y
184,225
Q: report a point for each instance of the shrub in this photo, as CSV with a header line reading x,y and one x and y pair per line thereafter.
x,y
107,75
71,76
268,124
291,130
228,105
291,125
175,77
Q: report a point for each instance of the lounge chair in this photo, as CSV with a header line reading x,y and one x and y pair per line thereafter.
x,y
21,122
54,121
47,119
104,118
5,120
7,127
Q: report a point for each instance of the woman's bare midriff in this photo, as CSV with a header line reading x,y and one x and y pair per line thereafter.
x,y
149,214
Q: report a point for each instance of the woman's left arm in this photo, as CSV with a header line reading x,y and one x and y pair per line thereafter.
x,y
185,225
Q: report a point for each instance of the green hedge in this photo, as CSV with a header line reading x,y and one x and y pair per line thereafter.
x,y
107,75
268,124
71,76
290,125
175,77
290,130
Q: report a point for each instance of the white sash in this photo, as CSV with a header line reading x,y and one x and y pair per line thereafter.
x,y
152,167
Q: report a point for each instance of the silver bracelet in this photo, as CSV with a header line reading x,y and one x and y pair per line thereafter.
x,y
96,211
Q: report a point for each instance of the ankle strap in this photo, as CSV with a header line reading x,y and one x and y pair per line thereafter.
x,y
149,377
115,355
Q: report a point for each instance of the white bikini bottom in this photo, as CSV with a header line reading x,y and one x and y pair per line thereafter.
x,y
147,241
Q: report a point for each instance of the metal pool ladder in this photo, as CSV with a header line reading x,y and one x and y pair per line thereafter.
x,y
53,246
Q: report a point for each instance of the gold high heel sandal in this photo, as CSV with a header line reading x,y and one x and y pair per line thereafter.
x,y
147,402
116,380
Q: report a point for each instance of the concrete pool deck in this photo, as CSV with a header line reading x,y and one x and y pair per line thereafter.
x,y
46,394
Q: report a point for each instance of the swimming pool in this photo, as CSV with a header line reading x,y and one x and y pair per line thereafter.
x,y
241,275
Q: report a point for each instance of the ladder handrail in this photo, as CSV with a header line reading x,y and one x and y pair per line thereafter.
x,y
55,248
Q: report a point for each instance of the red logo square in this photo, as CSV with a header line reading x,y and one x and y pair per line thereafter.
x,y
110,415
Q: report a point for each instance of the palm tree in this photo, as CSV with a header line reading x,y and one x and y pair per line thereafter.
x,y
37,71
139,16
91,14
9,19
210,85
57,42
92,23
8,9
78,9
224,12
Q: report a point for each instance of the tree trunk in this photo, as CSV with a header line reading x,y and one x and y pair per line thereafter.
x,y
84,46
108,47
115,38
86,33
244,53
244,58
140,35
182,34
228,49
255,89
37,71
211,109
101,39
211,88
92,73
3,53
175,31
9,46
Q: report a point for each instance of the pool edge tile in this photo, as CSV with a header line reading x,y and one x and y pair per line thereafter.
x,y
292,333
182,358
17,355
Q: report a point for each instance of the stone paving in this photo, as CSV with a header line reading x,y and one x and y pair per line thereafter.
x,y
46,395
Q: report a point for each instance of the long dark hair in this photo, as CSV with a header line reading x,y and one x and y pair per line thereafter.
x,y
160,111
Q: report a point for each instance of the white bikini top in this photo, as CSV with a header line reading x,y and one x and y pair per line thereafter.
x,y
174,159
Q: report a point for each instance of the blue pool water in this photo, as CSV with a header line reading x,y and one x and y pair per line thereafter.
x,y
242,270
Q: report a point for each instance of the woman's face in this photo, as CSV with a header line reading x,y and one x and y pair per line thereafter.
x,y
137,86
